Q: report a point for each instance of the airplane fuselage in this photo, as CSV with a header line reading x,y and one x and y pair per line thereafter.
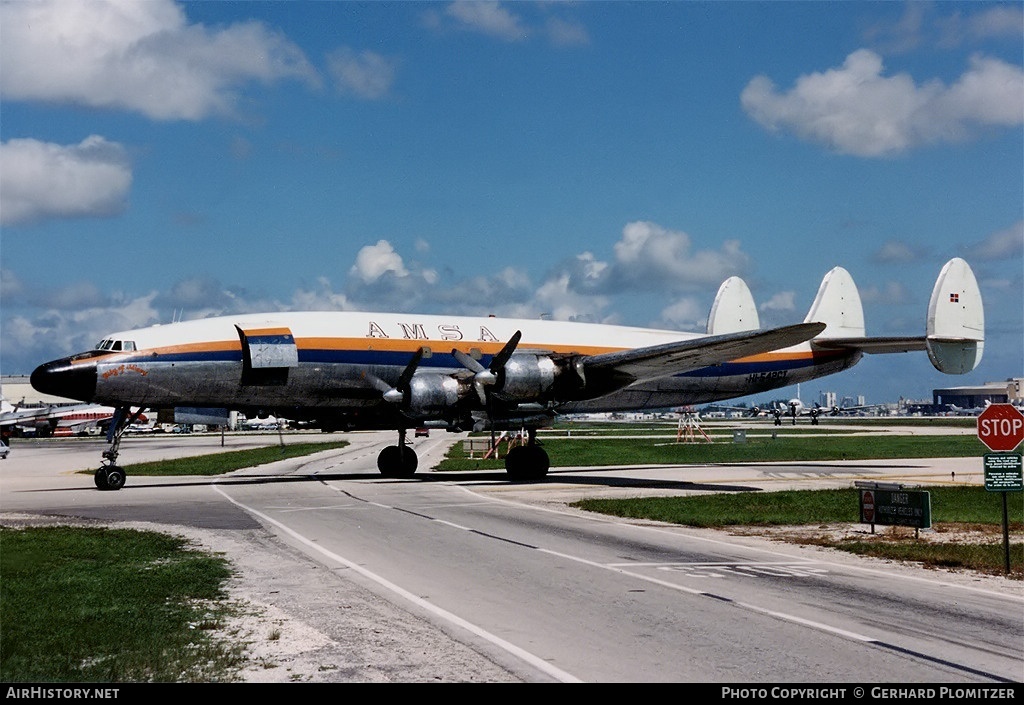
x,y
336,362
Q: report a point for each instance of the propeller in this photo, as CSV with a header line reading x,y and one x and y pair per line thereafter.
x,y
396,394
484,377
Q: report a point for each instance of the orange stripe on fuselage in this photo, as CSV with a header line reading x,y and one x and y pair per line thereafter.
x,y
440,346
267,331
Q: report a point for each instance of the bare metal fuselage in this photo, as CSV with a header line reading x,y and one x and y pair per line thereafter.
x,y
338,364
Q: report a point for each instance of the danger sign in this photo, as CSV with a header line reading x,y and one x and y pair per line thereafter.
x,y
1001,427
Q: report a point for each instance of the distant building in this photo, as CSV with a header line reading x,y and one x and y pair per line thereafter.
x,y
1007,392
18,390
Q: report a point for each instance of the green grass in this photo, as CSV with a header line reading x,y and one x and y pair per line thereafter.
x,y
110,606
219,463
572,452
952,507
964,505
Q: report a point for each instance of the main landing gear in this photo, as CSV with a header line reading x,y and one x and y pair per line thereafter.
x,y
399,460
528,462
110,476
523,463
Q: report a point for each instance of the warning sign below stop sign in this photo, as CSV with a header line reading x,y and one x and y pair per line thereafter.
x,y
1001,427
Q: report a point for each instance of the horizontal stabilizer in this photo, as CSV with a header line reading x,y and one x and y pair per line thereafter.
x,y
685,355
955,329
733,310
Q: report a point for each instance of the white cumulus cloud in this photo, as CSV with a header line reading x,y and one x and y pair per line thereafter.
x,y
1001,245
855,109
41,180
487,17
366,75
373,261
140,56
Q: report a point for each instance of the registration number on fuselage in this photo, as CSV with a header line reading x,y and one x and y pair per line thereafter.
x,y
770,376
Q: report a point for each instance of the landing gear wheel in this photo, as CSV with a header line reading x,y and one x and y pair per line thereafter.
x,y
397,461
529,462
110,477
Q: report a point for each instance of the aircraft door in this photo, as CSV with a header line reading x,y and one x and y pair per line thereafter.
x,y
267,355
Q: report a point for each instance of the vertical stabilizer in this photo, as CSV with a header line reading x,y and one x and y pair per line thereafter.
x,y
838,306
733,310
955,331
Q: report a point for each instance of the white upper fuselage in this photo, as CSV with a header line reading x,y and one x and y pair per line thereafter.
x,y
342,360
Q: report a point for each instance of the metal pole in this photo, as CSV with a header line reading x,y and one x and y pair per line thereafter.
x,y
1006,537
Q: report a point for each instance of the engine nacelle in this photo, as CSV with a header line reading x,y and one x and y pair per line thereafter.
x,y
431,394
526,378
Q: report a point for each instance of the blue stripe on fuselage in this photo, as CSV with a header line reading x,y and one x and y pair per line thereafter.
x,y
401,358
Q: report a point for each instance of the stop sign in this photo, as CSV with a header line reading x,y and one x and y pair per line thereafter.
x,y
1001,427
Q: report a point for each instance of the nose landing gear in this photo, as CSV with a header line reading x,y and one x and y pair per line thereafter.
x,y
110,476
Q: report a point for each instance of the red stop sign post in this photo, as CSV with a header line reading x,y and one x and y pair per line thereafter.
x,y
1001,427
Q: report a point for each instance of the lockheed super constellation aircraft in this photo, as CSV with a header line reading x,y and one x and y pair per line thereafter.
x,y
353,370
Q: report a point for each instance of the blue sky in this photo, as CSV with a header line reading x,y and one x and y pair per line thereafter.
x,y
604,161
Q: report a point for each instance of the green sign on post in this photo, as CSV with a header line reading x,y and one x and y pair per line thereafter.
x,y
1003,472
896,507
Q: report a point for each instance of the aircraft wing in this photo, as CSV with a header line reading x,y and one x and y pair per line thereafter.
x,y
674,358
46,413
15,417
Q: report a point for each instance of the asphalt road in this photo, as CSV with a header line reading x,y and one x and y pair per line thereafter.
x,y
466,577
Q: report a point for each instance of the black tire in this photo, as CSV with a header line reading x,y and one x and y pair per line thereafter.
x,y
397,461
527,463
100,478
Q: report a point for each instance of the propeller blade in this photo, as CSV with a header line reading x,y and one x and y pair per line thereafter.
x,y
481,375
396,394
467,361
499,360
409,371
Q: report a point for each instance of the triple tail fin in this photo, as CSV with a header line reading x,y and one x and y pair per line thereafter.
x,y
733,310
954,330
838,306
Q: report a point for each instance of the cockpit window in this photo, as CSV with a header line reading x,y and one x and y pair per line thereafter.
x,y
116,345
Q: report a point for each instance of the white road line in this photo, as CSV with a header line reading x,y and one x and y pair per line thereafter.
x,y
526,656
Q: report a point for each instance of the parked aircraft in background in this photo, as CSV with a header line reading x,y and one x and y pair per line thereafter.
x,y
972,411
52,419
795,408
355,370
267,423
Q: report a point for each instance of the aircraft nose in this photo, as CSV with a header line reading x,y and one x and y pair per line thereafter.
x,y
63,379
